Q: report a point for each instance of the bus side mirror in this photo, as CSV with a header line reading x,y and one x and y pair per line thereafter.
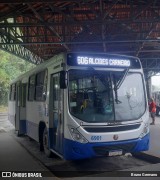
x,y
63,80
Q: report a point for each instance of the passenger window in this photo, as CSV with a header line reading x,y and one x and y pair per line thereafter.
x,y
18,97
13,92
23,98
41,86
57,98
56,87
31,88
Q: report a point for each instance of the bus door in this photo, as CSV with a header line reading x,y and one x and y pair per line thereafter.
x,y
20,123
56,105
17,117
23,95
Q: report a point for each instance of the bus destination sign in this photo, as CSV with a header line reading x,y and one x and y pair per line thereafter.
x,y
101,60
88,60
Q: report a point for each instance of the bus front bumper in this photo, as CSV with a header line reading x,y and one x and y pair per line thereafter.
x,y
74,150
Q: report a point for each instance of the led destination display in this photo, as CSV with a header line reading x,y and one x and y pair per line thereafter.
x,y
102,60
84,60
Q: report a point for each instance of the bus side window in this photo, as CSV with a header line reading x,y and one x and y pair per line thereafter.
x,y
56,90
23,96
41,86
31,88
18,95
12,92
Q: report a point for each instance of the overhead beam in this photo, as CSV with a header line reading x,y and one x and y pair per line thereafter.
x,y
142,9
6,44
152,27
13,12
22,52
102,26
49,27
103,17
34,1
81,42
139,49
82,22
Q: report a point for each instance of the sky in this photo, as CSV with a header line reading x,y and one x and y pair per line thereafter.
x,y
156,80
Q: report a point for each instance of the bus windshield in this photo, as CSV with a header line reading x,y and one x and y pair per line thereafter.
x,y
93,96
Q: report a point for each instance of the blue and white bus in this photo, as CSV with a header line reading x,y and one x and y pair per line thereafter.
x,y
83,105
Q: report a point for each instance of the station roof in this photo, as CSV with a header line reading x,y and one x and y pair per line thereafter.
x,y
36,30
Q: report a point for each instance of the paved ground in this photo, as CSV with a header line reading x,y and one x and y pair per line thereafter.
x,y
27,161
140,171
155,139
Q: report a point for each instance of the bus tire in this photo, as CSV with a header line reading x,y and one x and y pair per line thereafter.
x,y
45,143
41,146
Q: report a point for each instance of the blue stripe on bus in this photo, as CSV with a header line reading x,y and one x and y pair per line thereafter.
x,y
22,124
50,133
75,150
22,127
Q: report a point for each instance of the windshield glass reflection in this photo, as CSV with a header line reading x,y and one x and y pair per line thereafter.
x,y
91,96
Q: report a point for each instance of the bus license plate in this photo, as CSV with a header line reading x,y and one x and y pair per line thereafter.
x,y
115,153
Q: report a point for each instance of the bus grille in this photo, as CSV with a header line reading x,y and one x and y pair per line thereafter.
x,y
111,128
103,150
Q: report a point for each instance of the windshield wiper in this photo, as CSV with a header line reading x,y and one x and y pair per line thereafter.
x,y
118,84
100,77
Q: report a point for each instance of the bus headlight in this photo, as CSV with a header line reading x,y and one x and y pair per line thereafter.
x,y
76,135
145,130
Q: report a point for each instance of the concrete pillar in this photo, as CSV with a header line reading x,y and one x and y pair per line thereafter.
x,y
149,87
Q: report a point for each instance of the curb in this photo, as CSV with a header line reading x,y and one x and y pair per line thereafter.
x,y
147,157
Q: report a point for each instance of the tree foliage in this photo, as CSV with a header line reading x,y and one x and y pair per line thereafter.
x,y
10,68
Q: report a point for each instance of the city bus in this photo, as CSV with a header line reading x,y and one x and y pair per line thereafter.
x,y
83,105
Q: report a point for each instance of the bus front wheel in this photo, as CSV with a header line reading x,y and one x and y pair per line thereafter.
x,y
46,143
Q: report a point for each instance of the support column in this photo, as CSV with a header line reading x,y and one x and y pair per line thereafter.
x,y
149,87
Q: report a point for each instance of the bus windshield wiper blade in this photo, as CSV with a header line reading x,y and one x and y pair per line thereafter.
x,y
118,85
100,77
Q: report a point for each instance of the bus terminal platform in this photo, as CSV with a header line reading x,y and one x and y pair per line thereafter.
x,y
14,157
